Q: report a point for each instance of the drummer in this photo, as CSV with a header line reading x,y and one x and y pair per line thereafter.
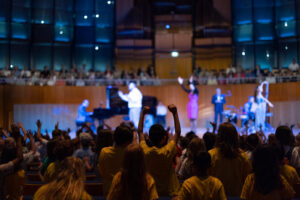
x,y
249,111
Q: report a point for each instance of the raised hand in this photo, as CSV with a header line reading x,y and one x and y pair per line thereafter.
x,y
38,123
146,110
180,80
56,125
172,108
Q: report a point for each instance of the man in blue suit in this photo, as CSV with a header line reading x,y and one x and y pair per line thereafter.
x,y
218,100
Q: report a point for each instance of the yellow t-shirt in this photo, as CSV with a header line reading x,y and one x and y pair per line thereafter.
x,y
14,185
231,172
248,192
109,163
51,172
42,189
150,187
196,188
290,174
159,164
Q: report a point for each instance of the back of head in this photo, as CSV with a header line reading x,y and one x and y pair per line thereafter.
x,y
9,151
123,135
210,140
266,169
133,184
50,148
252,141
202,160
156,134
63,149
227,140
69,183
195,146
284,135
85,139
104,139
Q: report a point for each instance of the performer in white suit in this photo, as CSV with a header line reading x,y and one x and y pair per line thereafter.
x,y
134,99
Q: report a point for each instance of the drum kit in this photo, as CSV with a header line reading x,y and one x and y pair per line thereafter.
x,y
233,115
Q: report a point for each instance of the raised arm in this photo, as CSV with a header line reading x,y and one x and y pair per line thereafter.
x,y
180,81
123,96
145,110
172,108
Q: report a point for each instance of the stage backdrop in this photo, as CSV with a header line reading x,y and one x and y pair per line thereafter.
x,y
59,103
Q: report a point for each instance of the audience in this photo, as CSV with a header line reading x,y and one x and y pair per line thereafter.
x,y
201,185
133,182
266,181
215,167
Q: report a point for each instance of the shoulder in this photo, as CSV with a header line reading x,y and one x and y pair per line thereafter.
x,y
40,191
107,150
86,196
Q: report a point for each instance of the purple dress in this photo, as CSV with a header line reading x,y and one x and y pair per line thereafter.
x,y
192,106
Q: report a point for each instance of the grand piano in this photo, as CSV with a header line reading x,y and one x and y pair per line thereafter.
x,y
116,106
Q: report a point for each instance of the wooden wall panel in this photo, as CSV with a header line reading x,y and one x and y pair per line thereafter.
x,y
285,97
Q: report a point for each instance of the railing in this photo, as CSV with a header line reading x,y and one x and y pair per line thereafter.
x,y
145,82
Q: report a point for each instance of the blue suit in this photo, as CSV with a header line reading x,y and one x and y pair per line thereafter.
x,y
218,101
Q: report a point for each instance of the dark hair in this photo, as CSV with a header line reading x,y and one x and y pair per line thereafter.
x,y
202,160
252,141
104,139
227,140
195,145
156,134
50,148
123,135
210,140
184,142
63,149
284,135
266,169
8,154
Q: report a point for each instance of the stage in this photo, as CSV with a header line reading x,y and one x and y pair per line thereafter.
x,y
59,103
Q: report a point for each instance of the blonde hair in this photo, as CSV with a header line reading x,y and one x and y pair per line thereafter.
x,y
69,183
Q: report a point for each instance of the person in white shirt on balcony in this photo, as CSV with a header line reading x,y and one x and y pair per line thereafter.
x,y
294,65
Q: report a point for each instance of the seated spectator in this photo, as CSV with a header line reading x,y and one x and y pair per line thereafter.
x,y
287,171
229,163
85,153
294,65
12,176
266,181
186,169
133,181
295,160
45,73
50,156
159,157
209,140
202,186
62,149
69,183
285,137
111,158
252,141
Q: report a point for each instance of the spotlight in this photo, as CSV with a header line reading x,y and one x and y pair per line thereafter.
x,y
286,47
243,53
85,17
11,66
168,26
109,2
61,32
285,24
97,15
42,22
267,55
174,54
96,47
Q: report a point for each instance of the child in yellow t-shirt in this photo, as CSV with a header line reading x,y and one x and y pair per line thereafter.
x,y
202,186
266,182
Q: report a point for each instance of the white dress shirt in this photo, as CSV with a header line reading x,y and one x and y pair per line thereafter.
x,y
134,98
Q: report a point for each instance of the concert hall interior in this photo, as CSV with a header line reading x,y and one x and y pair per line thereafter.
x,y
149,99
